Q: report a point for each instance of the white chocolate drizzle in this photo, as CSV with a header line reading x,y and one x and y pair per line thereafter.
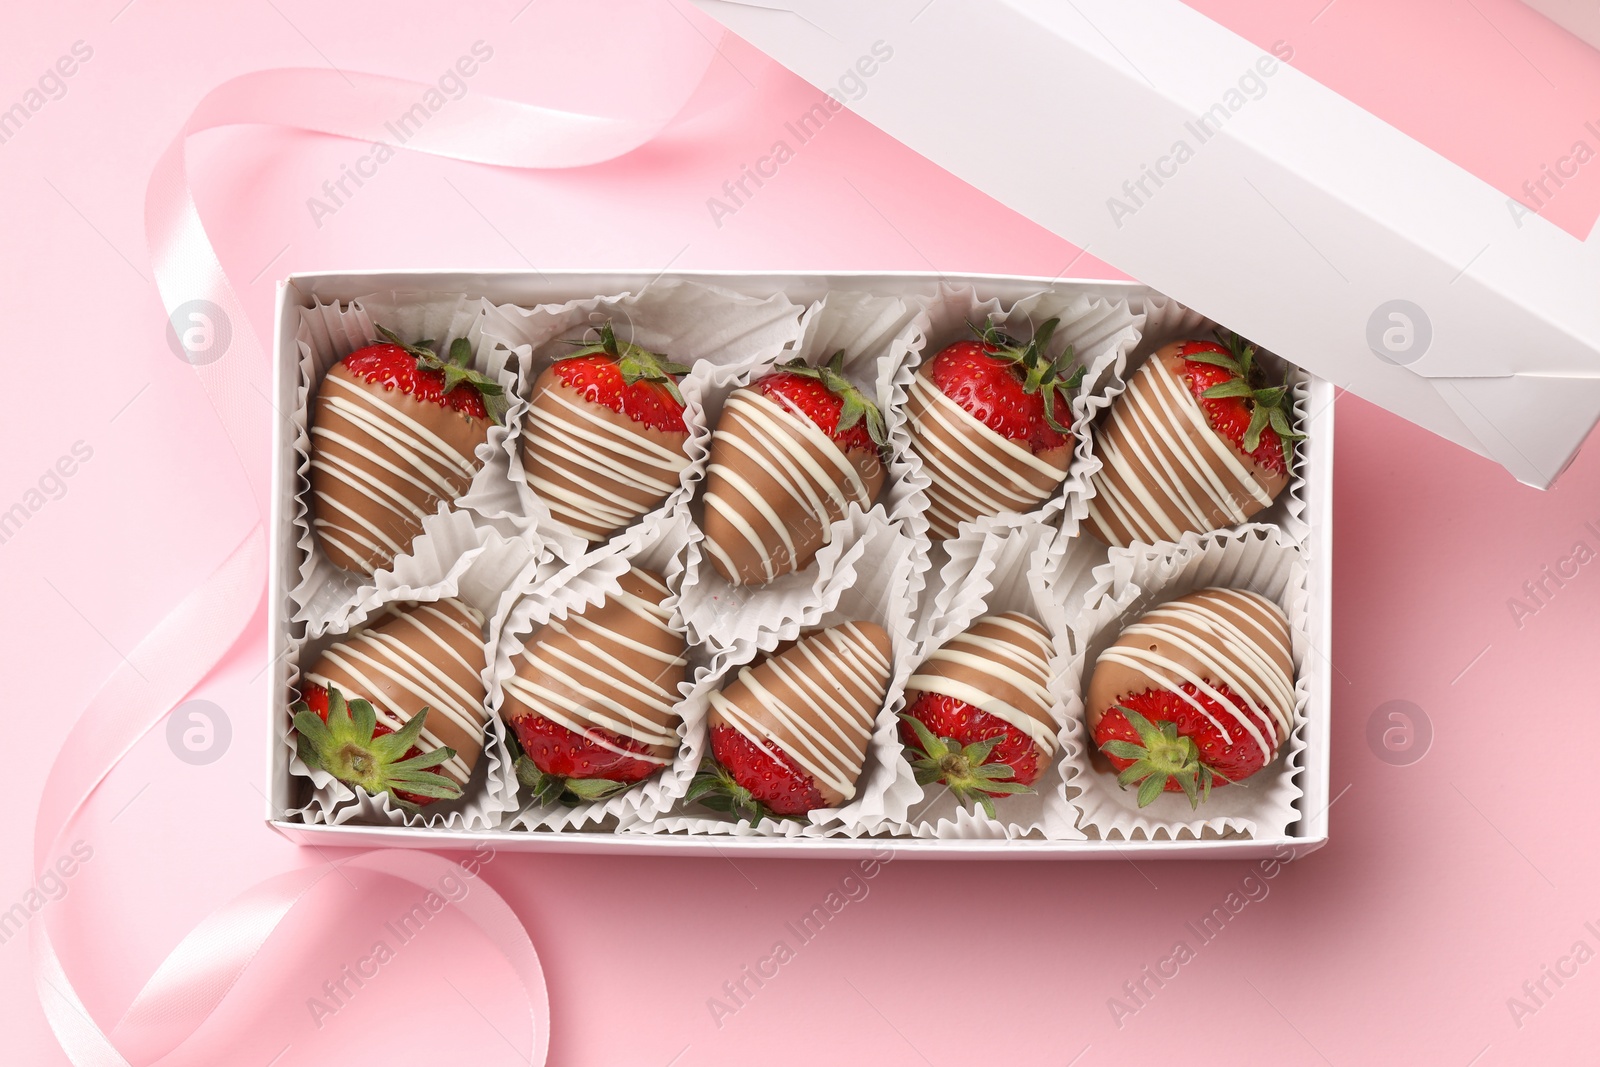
x,y
1156,444
817,479
377,471
1241,637
974,471
999,665
597,470
415,655
601,679
836,680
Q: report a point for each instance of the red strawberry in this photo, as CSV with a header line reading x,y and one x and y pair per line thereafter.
x,y
627,379
1160,740
594,696
753,781
974,753
1197,442
416,370
1197,692
604,439
1013,389
1239,405
562,765
394,433
791,453
988,418
829,399
789,734
978,716
348,742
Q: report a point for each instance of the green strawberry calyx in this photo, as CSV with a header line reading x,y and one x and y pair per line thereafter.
x,y
456,367
715,788
348,747
1270,405
1052,379
635,364
547,789
1161,756
962,768
854,405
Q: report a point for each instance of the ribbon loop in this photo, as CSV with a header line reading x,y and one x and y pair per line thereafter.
x,y
175,656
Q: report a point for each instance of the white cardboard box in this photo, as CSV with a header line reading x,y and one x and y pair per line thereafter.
x,y
1309,225
528,288
1578,17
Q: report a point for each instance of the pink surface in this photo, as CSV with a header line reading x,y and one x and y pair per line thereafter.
x,y
1449,882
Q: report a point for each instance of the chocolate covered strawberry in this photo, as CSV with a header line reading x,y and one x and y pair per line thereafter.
x,y
791,452
395,430
411,657
594,698
1196,694
789,734
990,419
978,711
346,740
1198,441
603,443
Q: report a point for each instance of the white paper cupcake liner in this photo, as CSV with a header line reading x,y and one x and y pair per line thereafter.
x,y
1102,331
1005,569
326,334
880,584
875,335
1165,321
1132,582
659,547
722,335
481,568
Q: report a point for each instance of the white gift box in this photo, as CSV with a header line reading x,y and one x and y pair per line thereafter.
x,y
1578,17
1306,519
1185,156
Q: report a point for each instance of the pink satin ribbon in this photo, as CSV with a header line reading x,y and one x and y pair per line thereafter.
x,y
190,984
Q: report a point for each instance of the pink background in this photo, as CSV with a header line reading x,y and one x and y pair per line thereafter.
x,y
1447,885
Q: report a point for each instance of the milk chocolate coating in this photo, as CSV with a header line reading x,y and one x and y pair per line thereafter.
x,y
974,471
596,469
1166,472
380,461
775,486
421,655
614,666
1227,636
999,665
816,701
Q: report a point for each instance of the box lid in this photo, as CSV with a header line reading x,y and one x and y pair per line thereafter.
x,y
1581,18
1184,155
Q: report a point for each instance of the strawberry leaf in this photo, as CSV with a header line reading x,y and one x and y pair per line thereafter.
x,y
1232,387
1151,788
990,788
1216,359
1252,434
1280,425
931,746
